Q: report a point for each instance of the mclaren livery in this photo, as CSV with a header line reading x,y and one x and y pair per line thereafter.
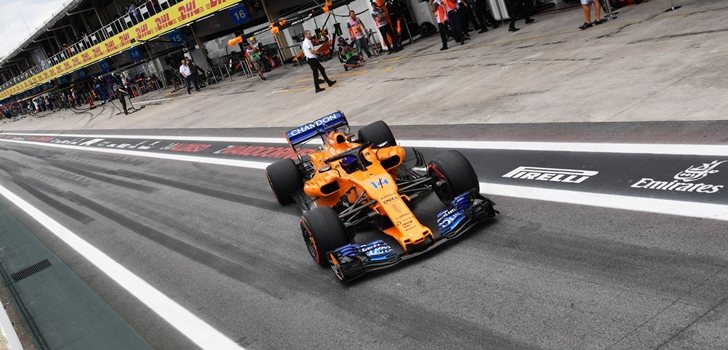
x,y
357,182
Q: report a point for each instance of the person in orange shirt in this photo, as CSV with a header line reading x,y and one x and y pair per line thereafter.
x,y
441,17
380,18
450,8
358,33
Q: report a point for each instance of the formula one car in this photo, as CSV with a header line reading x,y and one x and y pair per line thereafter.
x,y
354,182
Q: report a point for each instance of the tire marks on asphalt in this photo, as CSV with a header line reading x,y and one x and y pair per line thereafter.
x,y
619,264
33,188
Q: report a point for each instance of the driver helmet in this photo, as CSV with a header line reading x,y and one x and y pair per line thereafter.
x,y
349,164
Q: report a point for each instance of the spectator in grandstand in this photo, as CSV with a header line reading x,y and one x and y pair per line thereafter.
x,y
358,31
380,18
134,13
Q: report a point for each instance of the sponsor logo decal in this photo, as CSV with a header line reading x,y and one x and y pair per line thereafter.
x,y
379,183
550,174
226,150
390,198
314,125
685,181
695,173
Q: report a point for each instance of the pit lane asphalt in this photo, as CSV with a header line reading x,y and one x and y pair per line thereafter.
x,y
543,275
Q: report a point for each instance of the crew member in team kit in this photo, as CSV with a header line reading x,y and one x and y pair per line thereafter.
x,y
358,33
121,93
312,60
380,18
450,8
441,16
519,9
483,15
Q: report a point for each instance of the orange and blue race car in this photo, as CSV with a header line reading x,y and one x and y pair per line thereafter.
x,y
357,182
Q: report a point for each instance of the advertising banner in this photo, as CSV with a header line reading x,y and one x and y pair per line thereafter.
x,y
176,16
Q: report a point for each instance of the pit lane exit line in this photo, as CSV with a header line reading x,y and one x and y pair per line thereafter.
x,y
588,147
641,204
191,326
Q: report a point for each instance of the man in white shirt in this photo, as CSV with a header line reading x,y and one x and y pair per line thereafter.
x,y
312,59
190,78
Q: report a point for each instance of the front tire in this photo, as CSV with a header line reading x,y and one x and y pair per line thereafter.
x,y
455,175
284,179
323,232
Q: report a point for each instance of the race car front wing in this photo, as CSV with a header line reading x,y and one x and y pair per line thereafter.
x,y
464,212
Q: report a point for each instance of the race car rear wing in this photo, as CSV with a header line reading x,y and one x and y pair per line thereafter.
x,y
316,128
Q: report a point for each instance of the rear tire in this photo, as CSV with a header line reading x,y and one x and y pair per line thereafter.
x,y
455,175
284,179
323,232
377,133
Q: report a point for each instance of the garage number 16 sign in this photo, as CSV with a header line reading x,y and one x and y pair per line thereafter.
x,y
240,14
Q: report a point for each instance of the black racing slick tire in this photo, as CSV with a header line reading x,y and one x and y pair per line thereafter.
x,y
378,133
455,175
323,232
284,178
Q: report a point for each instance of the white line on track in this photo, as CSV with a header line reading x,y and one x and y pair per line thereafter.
x,y
650,205
629,148
8,331
197,330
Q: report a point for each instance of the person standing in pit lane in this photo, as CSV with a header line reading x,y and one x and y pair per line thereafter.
x,y
586,7
519,9
453,18
121,93
313,62
254,59
441,17
380,18
482,15
358,33
186,72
